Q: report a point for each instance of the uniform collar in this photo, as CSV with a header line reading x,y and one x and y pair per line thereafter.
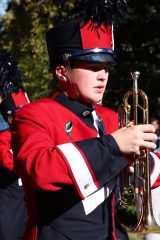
x,y
81,110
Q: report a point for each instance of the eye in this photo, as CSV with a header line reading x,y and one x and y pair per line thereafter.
x,y
107,69
99,68
92,68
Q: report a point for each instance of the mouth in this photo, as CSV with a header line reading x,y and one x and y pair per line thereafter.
x,y
99,89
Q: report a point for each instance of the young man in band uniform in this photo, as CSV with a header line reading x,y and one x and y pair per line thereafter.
x,y
69,152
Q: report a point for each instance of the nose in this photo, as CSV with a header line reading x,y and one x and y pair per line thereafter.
x,y
102,75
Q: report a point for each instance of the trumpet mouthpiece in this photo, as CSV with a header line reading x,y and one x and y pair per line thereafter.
x,y
135,75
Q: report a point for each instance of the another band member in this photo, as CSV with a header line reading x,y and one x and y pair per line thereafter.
x,y
12,204
155,175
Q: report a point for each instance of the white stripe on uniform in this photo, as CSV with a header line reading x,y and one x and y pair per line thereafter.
x,y
156,170
79,169
91,202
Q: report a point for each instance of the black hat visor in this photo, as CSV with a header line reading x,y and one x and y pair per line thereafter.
x,y
91,55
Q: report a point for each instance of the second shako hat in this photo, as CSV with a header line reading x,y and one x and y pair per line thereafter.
x,y
88,38
11,85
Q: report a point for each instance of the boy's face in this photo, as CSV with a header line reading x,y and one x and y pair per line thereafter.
x,y
86,81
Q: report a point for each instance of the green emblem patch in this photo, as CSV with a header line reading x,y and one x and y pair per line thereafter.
x,y
69,129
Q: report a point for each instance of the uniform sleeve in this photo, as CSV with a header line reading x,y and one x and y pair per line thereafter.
x,y
98,162
155,169
6,157
88,164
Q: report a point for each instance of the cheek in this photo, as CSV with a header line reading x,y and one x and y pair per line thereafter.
x,y
82,86
85,84
83,81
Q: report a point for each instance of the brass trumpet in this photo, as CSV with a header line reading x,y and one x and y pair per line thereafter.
x,y
135,106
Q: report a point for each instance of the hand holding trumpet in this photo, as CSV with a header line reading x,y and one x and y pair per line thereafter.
x,y
134,138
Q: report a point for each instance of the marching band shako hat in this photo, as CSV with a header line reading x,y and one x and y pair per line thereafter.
x,y
11,85
90,37
12,102
71,41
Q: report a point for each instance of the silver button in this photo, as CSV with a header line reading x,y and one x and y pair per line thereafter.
x,y
86,113
87,186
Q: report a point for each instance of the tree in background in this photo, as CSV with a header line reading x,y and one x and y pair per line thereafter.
x,y
23,31
137,44
25,23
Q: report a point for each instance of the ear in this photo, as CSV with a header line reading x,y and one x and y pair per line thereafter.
x,y
61,73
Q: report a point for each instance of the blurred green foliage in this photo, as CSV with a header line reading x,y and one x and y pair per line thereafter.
x,y
127,215
23,29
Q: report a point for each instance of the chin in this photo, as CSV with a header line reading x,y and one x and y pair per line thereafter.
x,y
94,101
99,102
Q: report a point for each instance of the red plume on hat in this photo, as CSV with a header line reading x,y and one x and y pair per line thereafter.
x,y
90,36
11,84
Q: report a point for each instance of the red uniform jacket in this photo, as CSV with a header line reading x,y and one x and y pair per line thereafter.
x,y
56,147
6,157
